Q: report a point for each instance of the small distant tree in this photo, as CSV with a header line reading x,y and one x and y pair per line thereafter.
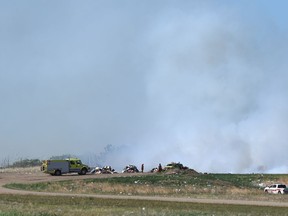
x,y
5,162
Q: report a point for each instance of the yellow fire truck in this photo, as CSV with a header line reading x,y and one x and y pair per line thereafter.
x,y
69,165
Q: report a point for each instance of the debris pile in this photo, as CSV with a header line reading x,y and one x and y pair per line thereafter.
x,y
104,170
157,169
170,168
174,165
130,169
174,168
108,170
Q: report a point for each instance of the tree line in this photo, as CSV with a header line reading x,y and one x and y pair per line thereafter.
x,y
22,163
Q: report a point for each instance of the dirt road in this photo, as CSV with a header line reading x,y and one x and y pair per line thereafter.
x,y
33,177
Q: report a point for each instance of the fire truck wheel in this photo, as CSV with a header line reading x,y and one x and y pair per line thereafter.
x,y
83,172
58,172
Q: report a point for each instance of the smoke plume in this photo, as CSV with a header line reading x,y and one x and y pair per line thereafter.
x,y
201,83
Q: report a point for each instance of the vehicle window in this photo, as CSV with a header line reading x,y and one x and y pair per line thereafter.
x,y
72,162
273,186
282,186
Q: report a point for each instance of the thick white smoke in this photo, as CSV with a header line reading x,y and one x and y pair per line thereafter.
x,y
216,95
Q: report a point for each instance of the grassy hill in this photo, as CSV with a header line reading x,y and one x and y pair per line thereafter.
x,y
173,183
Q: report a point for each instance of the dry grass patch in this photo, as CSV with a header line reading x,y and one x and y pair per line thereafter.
x,y
24,170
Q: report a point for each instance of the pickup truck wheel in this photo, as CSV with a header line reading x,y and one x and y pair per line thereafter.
x,y
57,172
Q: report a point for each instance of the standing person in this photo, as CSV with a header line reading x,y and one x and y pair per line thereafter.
x,y
160,168
142,168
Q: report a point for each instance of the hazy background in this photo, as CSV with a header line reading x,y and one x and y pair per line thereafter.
x,y
198,82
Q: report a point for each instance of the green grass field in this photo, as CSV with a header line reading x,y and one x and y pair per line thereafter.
x,y
51,205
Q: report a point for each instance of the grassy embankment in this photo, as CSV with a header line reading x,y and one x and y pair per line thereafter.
x,y
224,186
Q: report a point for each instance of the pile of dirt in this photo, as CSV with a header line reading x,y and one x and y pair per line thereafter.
x,y
181,171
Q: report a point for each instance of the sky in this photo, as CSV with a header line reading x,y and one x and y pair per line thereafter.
x,y
199,82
